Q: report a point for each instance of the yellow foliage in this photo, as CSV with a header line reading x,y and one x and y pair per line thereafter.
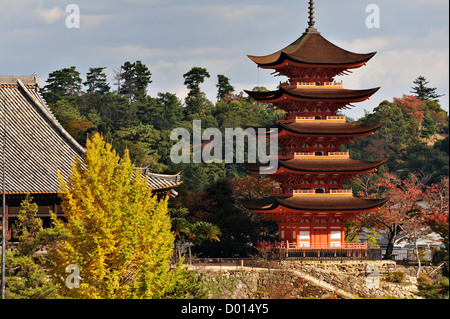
x,y
119,233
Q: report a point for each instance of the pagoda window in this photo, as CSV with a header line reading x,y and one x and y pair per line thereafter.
x,y
320,190
318,153
318,118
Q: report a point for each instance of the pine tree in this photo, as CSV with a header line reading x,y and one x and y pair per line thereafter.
x,y
119,233
62,83
96,81
422,92
223,87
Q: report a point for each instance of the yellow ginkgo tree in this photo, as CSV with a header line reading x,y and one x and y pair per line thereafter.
x,y
119,234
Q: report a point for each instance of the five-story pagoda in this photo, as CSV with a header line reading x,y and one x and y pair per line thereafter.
x,y
311,207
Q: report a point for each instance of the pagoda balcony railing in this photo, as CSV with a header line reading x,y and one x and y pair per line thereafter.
x,y
312,155
318,85
339,118
306,245
300,192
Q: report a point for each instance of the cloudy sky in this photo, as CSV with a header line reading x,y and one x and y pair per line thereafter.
x,y
172,36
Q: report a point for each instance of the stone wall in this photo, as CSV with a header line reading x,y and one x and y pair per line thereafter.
x,y
353,278
261,284
283,283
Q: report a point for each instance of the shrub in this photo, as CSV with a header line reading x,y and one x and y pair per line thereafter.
x,y
397,276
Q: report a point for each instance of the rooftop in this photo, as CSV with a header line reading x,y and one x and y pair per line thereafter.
x,y
319,165
323,127
313,203
312,93
37,146
313,49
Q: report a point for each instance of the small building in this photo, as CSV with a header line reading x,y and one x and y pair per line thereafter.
x,y
35,147
311,206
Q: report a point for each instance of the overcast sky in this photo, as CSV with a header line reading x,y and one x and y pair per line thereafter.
x,y
172,36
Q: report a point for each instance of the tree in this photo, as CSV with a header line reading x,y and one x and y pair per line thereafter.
x,y
413,109
136,77
401,212
193,79
26,275
422,92
253,187
180,226
196,101
96,81
436,216
69,117
62,83
199,232
223,87
27,226
118,232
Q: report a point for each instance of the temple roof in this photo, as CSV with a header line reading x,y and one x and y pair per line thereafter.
x,y
312,94
312,48
36,144
322,128
161,181
319,165
313,203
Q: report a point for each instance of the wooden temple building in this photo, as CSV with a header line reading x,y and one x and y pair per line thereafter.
x,y
311,206
35,146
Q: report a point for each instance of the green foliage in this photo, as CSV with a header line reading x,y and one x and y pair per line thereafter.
x,y
422,91
397,277
433,288
402,141
27,279
62,83
223,87
136,77
193,78
96,81
26,274
118,232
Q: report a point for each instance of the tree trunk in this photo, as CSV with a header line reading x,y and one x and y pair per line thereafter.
x,y
179,250
390,246
419,265
416,248
190,257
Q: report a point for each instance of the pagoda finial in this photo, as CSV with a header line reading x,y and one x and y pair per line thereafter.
x,y
311,22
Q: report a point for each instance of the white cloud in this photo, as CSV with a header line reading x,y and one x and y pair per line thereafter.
x,y
50,15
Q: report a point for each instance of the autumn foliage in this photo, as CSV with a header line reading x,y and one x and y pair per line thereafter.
x,y
118,232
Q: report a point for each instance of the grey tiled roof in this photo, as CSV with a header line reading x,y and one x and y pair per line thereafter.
x,y
36,145
161,181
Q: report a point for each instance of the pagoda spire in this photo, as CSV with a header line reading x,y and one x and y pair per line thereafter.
x,y
311,22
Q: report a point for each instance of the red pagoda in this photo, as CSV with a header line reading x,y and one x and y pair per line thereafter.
x,y
311,206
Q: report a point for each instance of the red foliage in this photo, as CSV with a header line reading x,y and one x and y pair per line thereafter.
x,y
233,97
253,187
402,207
199,206
411,106
437,212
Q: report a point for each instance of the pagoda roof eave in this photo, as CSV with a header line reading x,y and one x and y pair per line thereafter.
x,y
285,60
312,48
312,204
324,129
320,94
317,166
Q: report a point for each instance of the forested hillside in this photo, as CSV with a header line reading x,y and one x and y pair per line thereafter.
x,y
413,138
